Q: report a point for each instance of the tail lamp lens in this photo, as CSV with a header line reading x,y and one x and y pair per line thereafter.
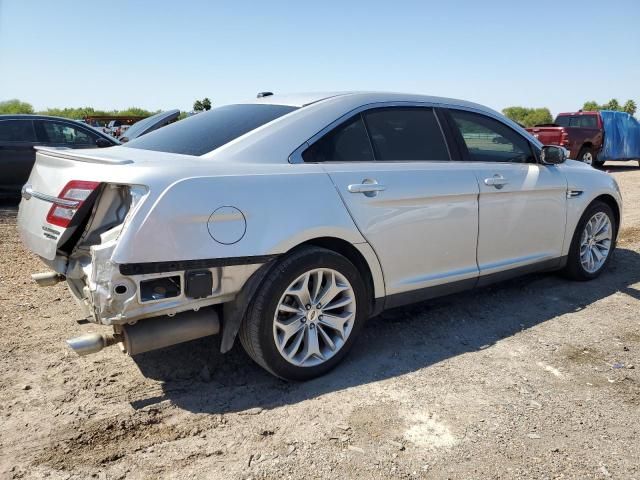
x,y
76,191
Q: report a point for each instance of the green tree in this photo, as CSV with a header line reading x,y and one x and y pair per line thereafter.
x,y
206,103
591,106
197,106
528,116
15,106
630,107
612,105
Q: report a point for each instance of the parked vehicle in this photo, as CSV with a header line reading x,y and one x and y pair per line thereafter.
x,y
19,134
149,124
288,221
581,133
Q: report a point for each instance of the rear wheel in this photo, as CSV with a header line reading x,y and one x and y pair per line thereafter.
x,y
593,242
587,156
306,314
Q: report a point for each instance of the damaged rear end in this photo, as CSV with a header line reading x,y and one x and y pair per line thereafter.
x,y
74,210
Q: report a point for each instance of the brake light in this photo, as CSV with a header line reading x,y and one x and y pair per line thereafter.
x,y
564,140
74,194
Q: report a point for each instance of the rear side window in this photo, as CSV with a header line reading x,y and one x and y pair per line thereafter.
x,y
207,131
346,143
383,134
406,134
17,131
488,140
582,121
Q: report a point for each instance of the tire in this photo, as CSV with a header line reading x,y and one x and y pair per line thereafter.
x,y
588,156
261,332
575,268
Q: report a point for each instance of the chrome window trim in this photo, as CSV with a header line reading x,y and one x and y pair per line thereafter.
x,y
296,155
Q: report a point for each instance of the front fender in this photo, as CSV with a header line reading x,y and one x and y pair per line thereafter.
x,y
592,184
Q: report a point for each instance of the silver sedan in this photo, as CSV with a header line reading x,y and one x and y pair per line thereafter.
x,y
287,221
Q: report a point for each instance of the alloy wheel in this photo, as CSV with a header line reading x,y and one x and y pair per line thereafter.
x,y
595,242
314,317
587,157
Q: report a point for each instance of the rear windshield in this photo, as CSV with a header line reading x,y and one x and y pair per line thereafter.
x,y
207,131
582,121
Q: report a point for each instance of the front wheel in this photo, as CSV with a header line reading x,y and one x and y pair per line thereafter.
x,y
306,314
593,242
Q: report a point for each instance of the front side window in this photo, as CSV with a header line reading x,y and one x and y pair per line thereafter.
x,y
405,134
204,132
346,143
17,131
489,140
64,133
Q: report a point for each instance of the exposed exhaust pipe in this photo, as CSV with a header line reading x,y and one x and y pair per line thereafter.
x,y
160,332
153,333
91,342
47,279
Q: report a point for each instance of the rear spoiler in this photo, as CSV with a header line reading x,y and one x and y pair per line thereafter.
x,y
70,154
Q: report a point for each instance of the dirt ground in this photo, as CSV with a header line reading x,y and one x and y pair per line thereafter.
x,y
536,378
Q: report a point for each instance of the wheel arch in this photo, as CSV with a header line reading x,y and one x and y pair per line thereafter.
x,y
355,256
613,204
361,255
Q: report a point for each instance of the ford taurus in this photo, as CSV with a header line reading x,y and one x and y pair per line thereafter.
x,y
287,221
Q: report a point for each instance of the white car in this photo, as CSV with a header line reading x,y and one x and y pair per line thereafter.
x,y
289,220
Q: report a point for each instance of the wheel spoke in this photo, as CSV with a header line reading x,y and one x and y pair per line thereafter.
x,y
283,307
336,322
326,338
342,302
317,285
294,348
290,328
312,347
331,291
597,254
301,292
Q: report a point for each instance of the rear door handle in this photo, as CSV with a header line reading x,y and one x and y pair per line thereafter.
x,y
369,187
497,181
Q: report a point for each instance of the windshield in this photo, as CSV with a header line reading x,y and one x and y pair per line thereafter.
x,y
138,128
207,131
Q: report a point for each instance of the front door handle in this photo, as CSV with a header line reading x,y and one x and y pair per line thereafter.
x,y
369,187
497,181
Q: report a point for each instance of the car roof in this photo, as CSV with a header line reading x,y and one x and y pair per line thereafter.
x,y
22,116
365,97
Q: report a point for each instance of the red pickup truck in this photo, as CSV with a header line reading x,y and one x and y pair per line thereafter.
x,y
581,133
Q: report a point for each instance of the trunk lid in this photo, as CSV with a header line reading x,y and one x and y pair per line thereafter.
x,y
53,170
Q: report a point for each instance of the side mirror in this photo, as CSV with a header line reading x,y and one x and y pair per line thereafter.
x,y
553,155
103,142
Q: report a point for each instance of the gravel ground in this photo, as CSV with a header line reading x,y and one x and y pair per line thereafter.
x,y
535,378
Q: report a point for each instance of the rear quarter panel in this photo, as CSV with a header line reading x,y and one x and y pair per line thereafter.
x,y
283,208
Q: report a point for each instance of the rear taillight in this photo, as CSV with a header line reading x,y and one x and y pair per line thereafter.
x,y
564,140
74,193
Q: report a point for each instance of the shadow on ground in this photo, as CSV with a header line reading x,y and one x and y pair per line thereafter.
x,y
199,379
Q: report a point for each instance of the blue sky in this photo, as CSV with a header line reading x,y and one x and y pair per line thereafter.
x,y
164,54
